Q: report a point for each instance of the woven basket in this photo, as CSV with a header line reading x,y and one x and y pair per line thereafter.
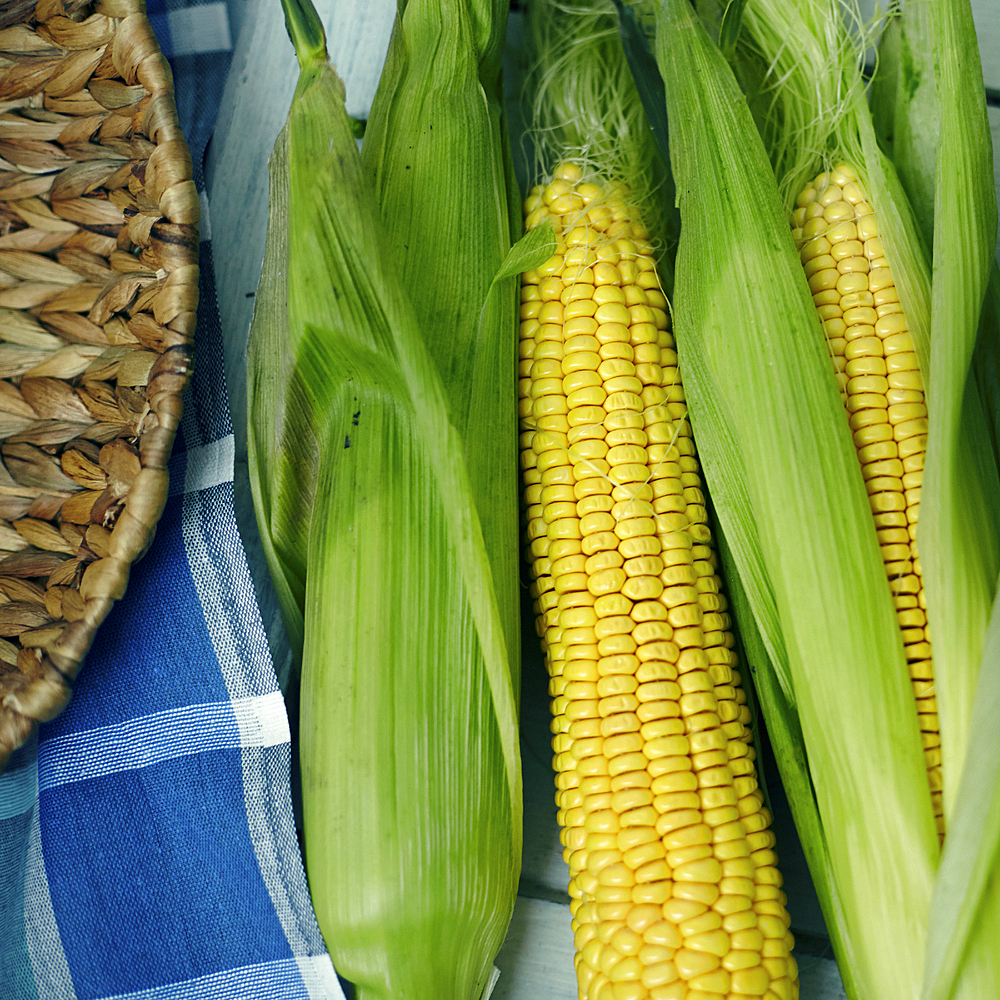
x,y
98,293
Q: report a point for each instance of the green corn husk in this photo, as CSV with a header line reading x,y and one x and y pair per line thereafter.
x,y
790,499
942,148
437,148
371,479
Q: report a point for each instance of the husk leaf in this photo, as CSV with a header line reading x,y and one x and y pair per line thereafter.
x,y
436,148
959,532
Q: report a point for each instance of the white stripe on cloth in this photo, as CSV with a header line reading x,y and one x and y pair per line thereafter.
x,y
267,795
266,979
177,732
319,977
207,466
41,932
225,592
263,720
204,28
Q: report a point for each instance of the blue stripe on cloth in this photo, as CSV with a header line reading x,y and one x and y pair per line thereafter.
x,y
176,468
171,890
197,106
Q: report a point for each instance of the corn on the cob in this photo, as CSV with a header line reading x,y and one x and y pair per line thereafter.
x,y
673,878
837,235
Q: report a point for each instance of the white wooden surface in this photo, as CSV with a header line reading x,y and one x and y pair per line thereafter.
x,y
536,962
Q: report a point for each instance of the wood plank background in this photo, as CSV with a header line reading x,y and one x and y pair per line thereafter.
x,y
536,962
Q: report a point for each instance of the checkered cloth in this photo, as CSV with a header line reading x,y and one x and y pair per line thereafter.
x,y
147,844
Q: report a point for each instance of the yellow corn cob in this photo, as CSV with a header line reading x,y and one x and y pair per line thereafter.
x,y
880,382
673,879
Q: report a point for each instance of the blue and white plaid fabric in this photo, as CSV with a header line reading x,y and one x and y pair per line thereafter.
x,y
147,843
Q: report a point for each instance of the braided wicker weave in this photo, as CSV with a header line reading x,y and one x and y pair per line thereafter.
x,y
98,293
